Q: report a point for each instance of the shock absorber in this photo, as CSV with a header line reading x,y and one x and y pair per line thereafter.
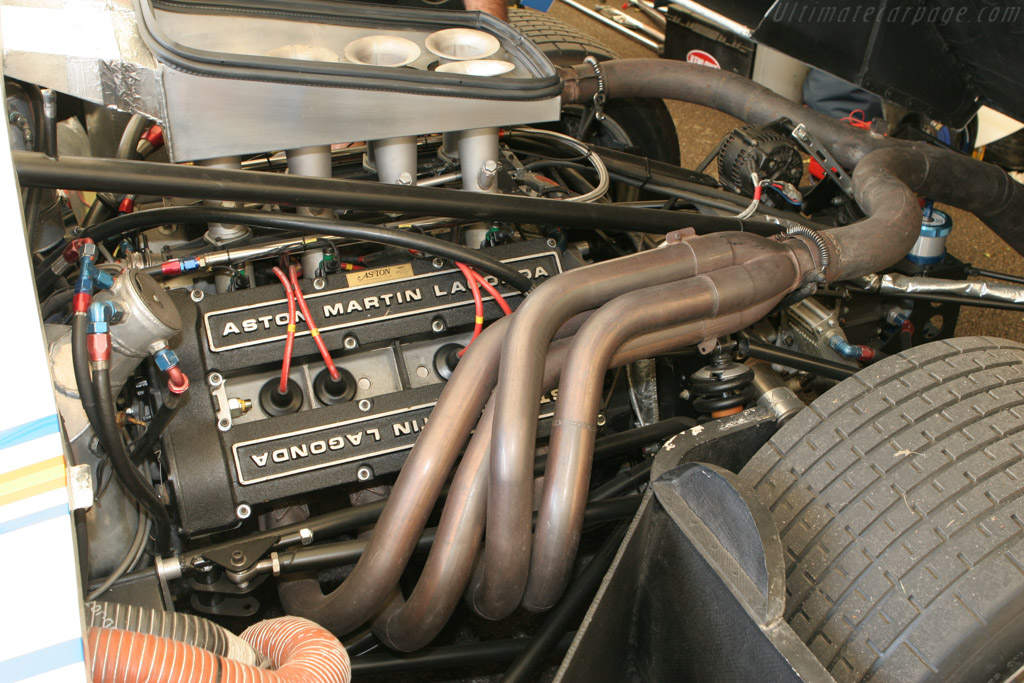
x,y
723,387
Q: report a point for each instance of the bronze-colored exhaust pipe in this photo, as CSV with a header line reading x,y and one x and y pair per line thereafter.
x,y
567,477
507,553
408,626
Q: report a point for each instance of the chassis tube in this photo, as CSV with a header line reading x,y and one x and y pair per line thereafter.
x,y
150,178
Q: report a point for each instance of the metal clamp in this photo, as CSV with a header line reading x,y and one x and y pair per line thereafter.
x,y
824,253
828,163
601,96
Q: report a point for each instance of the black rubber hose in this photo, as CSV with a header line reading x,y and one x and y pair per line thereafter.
x,y
80,363
127,148
132,481
56,302
143,446
752,348
320,226
576,598
149,178
450,656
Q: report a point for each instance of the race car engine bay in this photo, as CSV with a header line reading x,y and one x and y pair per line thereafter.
x,y
391,341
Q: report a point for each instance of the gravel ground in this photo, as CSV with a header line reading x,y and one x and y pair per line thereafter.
x,y
699,129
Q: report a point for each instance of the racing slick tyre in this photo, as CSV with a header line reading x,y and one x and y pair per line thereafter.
x,y
899,497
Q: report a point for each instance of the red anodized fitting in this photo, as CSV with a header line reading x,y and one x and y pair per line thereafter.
x,y
98,346
177,381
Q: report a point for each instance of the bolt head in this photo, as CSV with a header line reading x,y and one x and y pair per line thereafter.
x,y
215,379
552,243
437,262
197,295
365,405
437,325
243,511
364,473
350,343
319,283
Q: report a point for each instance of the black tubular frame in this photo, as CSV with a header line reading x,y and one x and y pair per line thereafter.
x,y
151,178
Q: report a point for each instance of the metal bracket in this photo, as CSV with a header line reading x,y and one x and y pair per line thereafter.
x,y
828,162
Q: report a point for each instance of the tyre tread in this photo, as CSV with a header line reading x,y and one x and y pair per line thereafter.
x,y
908,473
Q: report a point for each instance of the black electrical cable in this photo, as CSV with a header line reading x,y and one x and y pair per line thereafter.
x,y
143,446
80,364
449,656
752,348
134,484
320,226
576,598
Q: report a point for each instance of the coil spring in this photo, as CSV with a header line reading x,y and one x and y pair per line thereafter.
x,y
823,251
722,388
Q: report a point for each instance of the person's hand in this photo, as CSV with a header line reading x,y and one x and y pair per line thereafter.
x,y
496,8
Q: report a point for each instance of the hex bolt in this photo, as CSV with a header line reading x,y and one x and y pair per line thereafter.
x,y
552,243
243,511
437,262
305,536
238,558
365,405
350,343
438,325
197,295
215,379
319,283
364,473
239,406
489,170
404,178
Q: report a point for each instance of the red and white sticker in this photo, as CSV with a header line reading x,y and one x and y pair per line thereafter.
x,y
703,58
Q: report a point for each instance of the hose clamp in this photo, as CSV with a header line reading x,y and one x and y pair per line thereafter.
x,y
600,97
824,253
